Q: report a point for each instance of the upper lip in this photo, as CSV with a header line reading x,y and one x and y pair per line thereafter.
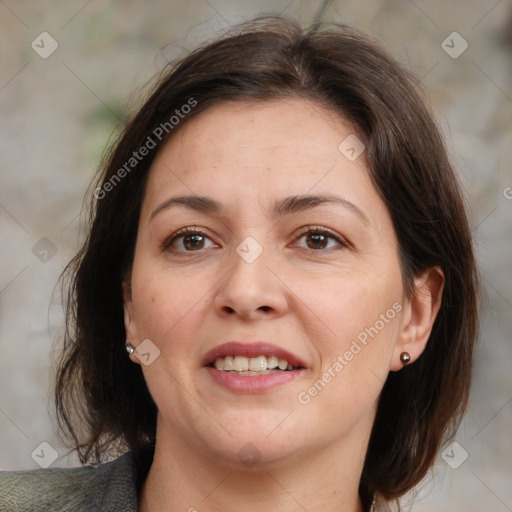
x,y
255,349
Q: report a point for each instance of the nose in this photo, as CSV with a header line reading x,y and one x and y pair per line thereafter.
x,y
252,290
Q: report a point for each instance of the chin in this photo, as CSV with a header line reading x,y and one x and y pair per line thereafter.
x,y
257,441
255,452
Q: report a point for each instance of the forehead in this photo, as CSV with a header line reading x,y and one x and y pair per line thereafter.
x,y
238,132
261,150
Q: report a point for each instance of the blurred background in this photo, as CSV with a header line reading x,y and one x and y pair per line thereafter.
x,y
71,71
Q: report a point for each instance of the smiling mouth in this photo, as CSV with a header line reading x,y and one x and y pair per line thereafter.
x,y
252,366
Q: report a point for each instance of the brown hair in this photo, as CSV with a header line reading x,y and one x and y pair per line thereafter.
x,y
271,57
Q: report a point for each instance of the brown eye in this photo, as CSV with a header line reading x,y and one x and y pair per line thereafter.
x,y
316,240
193,242
187,240
319,238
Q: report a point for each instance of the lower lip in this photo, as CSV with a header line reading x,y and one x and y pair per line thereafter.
x,y
248,384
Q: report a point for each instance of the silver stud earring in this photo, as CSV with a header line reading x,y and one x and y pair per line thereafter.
x,y
129,349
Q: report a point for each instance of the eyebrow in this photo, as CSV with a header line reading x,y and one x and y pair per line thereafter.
x,y
281,208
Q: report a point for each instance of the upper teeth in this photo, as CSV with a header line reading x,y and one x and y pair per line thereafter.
x,y
253,364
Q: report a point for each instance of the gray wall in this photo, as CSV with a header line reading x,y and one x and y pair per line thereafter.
x,y
58,112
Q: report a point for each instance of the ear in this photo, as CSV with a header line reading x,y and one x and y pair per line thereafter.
x,y
419,314
130,326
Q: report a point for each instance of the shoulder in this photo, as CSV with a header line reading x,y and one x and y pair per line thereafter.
x,y
107,487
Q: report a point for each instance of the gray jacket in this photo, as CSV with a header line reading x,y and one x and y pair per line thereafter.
x,y
110,487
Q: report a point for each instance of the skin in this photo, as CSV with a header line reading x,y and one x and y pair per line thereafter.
x,y
311,302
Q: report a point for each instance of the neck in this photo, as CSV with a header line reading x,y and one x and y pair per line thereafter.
x,y
182,477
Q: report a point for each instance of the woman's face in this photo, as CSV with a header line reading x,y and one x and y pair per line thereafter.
x,y
294,258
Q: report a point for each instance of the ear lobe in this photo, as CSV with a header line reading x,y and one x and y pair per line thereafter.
x,y
129,322
419,316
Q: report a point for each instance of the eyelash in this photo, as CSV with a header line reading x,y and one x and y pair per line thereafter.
x,y
317,230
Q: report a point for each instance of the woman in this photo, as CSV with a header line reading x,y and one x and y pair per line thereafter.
x,y
276,304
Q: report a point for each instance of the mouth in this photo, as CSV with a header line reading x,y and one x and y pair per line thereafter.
x,y
240,357
252,367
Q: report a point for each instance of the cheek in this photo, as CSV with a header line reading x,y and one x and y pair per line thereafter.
x,y
345,304
354,333
355,361
168,304
159,304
